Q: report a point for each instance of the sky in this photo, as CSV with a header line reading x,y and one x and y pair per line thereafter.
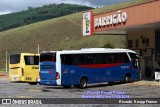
x,y
10,6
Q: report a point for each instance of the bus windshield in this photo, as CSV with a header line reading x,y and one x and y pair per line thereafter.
x,y
15,59
47,57
135,60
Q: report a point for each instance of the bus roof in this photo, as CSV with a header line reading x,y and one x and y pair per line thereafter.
x,y
25,54
47,51
96,50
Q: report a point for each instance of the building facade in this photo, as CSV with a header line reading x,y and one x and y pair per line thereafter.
x,y
141,26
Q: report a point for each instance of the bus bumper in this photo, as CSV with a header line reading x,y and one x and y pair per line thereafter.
x,y
48,82
15,78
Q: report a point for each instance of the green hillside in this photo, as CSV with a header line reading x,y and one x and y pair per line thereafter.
x,y
56,34
37,14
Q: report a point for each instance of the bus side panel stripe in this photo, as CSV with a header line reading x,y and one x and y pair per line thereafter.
x,y
100,65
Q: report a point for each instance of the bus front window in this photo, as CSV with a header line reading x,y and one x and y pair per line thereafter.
x,y
15,59
135,63
135,60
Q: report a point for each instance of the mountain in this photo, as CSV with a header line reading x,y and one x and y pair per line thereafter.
x,y
57,34
33,15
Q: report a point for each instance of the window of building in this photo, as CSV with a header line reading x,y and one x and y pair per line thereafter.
x,y
136,43
130,44
157,57
157,41
147,42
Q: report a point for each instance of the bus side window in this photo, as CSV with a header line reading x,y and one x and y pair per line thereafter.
x,y
100,58
89,58
63,59
66,59
36,60
106,58
97,58
82,59
118,58
31,60
76,59
111,58
94,59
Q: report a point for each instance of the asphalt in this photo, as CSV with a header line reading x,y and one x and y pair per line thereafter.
x,y
142,82
4,76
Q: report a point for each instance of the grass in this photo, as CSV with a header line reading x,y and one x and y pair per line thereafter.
x,y
37,14
57,34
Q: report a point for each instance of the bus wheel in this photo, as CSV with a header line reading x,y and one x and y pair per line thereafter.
x,y
110,83
33,83
127,78
66,86
83,83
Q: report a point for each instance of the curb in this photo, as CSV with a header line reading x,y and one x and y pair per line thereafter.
x,y
146,83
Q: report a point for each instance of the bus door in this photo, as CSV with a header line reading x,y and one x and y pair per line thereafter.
x,y
31,68
47,66
135,66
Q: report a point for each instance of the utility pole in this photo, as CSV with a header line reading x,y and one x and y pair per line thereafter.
x,y
38,48
6,61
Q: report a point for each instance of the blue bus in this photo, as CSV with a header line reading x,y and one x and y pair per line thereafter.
x,y
87,66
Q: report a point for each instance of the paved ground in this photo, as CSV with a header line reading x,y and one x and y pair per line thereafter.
x,y
147,83
140,89
3,75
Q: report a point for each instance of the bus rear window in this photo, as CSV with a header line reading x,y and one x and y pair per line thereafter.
x,y
47,57
31,60
14,59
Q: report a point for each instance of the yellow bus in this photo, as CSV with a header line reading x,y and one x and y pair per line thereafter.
x,y
24,67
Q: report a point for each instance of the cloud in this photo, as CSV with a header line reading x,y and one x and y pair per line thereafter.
x,y
106,2
18,5
5,12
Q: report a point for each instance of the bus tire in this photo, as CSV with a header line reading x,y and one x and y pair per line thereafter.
x,y
67,86
83,82
32,83
110,83
127,78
